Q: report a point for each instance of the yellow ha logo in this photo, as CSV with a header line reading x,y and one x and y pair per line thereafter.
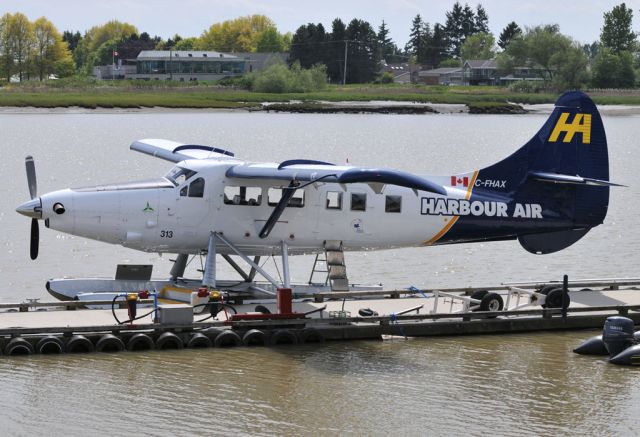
x,y
581,124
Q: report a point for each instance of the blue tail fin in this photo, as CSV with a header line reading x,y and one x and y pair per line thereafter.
x,y
564,169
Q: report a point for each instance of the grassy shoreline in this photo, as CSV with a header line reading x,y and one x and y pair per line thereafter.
x,y
130,94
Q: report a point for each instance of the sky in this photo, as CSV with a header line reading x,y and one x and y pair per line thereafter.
x,y
579,19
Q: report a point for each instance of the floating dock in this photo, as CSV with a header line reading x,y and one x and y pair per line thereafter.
x,y
58,327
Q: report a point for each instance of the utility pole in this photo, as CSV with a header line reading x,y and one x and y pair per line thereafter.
x,y
171,63
344,74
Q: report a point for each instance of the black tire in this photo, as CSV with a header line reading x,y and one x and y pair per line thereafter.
x,y
169,340
262,309
254,337
554,299
367,312
199,340
478,294
283,336
110,343
310,335
79,344
18,346
227,338
491,302
50,345
139,342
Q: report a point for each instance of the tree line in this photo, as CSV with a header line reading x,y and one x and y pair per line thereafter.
x,y
32,49
37,50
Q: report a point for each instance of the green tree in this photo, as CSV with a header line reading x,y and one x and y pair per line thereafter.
x,y
462,23
270,41
511,31
418,38
309,45
535,49
478,46
455,29
238,35
436,50
186,43
611,70
363,62
6,59
21,40
388,49
72,39
335,51
49,48
570,68
617,33
111,30
481,20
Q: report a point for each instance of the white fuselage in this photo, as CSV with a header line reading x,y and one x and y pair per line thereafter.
x,y
160,216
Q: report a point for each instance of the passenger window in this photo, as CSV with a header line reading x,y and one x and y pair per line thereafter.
x,y
393,203
275,194
358,202
196,188
251,196
334,200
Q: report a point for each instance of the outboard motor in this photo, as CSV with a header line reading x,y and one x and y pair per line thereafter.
x,y
617,334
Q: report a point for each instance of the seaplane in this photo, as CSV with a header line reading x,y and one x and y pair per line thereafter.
x,y
547,195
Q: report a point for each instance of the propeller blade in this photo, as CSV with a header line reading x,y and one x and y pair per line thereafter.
x,y
31,176
35,238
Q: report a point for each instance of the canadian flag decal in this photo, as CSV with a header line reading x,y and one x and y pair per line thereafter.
x,y
455,181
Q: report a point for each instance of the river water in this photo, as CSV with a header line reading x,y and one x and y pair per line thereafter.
x,y
506,385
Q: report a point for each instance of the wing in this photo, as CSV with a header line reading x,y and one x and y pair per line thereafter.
x,y
324,172
176,152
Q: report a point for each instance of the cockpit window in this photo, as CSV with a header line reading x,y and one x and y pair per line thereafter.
x,y
178,175
196,188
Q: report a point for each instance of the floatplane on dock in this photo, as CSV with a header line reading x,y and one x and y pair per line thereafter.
x,y
547,195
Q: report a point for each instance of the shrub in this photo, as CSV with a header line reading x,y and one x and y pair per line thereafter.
x,y
278,78
385,78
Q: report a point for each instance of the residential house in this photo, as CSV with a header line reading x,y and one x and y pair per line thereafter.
x,y
480,72
441,76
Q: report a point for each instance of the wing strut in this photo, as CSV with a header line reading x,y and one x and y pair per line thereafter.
x,y
287,194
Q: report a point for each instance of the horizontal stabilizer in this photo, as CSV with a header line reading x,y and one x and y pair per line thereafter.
x,y
176,152
550,242
569,179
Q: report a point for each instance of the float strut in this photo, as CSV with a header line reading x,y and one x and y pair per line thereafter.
x,y
209,277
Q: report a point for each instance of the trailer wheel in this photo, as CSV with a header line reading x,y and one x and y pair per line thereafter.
x,y
491,302
478,294
554,299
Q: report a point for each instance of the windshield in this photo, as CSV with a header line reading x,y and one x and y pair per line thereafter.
x,y
178,175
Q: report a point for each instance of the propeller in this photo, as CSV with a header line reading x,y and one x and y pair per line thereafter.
x,y
36,207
